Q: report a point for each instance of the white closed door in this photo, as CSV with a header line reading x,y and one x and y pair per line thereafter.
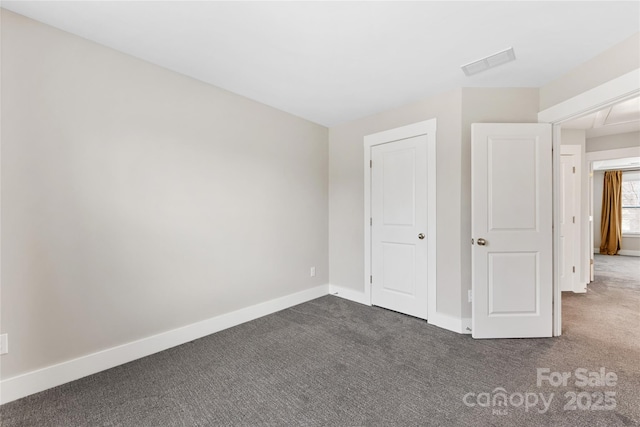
x,y
512,230
399,226
567,222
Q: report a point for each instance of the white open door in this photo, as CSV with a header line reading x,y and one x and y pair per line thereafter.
x,y
512,230
569,212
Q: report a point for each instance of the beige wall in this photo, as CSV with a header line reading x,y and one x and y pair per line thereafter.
x,y
573,137
346,194
136,200
614,62
612,142
482,105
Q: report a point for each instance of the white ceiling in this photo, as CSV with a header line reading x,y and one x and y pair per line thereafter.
x,y
620,118
332,62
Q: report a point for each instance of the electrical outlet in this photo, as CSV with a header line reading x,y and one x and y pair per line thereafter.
x,y
4,344
313,272
470,295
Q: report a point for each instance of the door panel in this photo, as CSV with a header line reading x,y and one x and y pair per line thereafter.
x,y
398,177
398,268
399,215
513,284
516,212
511,214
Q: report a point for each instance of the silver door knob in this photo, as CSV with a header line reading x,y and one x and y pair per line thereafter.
x,y
482,242
420,236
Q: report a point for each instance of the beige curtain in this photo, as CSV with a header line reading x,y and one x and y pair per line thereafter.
x,y
611,221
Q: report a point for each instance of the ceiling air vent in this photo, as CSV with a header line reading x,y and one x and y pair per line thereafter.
x,y
491,61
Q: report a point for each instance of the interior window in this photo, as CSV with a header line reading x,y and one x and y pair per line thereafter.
x,y
631,202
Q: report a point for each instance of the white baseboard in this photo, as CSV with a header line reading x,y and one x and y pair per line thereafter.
x,y
445,321
438,319
61,373
623,252
580,289
628,252
349,294
466,325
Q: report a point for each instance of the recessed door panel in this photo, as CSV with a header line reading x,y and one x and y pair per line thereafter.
x,y
398,179
513,284
399,268
512,183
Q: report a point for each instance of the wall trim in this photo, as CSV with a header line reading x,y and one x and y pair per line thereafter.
x,y
616,153
349,294
51,376
623,252
581,289
466,325
628,252
556,318
440,320
617,90
448,322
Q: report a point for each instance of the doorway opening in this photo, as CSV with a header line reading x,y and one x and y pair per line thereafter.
x,y
593,109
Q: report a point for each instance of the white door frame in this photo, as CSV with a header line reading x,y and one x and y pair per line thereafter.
x,y
427,127
575,150
607,94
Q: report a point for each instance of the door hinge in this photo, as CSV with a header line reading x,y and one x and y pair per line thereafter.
x,y
370,221
574,169
370,163
591,261
574,268
370,279
574,219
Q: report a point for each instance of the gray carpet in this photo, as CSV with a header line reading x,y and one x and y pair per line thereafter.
x,y
331,362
